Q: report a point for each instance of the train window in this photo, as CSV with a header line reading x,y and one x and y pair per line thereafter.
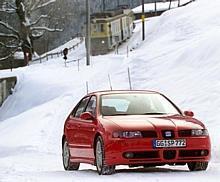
x,y
102,27
95,28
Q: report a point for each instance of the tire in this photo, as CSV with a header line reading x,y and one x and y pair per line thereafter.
x,y
197,166
102,168
68,166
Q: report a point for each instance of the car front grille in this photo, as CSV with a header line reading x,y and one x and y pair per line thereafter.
x,y
184,133
149,134
141,155
151,154
166,154
193,153
169,154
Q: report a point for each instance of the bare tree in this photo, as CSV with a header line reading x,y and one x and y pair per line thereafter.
x,y
31,25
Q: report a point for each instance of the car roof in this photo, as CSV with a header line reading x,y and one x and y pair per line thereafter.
x,y
105,92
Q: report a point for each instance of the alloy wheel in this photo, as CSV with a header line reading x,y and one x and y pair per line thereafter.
x,y
66,155
99,156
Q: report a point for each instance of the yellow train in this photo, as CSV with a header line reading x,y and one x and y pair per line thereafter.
x,y
109,29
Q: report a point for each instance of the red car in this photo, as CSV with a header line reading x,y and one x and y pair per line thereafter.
x,y
135,128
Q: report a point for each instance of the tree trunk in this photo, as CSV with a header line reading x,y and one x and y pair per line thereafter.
x,y
27,57
25,32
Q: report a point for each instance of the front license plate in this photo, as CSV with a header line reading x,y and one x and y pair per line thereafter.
x,y
169,143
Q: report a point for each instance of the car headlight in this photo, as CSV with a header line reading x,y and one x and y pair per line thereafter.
x,y
127,134
199,132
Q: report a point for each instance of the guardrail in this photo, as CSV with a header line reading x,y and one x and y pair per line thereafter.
x,y
56,54
158,11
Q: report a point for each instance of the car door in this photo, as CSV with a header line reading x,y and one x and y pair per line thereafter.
x,y
73,128
88,130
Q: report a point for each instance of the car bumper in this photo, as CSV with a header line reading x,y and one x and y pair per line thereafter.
x,y
141,151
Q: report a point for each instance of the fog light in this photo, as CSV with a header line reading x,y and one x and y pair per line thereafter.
x,y
204,152
129,155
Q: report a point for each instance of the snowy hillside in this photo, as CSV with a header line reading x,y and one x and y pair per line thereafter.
x,y
160,6
179,58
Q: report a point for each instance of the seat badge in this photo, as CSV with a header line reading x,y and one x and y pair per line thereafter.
x,y
168,134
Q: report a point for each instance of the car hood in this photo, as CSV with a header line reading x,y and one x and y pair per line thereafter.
x,y
174,122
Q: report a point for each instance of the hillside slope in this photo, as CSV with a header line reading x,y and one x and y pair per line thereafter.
x,y
180,58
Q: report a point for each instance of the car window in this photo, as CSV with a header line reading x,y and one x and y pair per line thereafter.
x,y
91,107
136,104
81,107
120,105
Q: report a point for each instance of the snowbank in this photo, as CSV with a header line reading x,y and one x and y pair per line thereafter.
x,y
180,58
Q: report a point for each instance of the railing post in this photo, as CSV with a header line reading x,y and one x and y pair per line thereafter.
x,y
129,78
143,21
109,79
127,51
1,93
87,87
4,90
78,64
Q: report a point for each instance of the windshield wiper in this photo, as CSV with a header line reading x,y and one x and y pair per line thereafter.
x,y
126,114
155,113
120,114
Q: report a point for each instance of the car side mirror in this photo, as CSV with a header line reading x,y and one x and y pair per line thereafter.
x,y
189,113
86,116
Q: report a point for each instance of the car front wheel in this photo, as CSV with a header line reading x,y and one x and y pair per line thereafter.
x,y
102,168
197,166
67,164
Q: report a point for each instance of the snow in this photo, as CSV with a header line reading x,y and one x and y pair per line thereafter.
x,y
179,58
46,28
7,7
161,6
39,18
19,55
7,26
43,4
68,45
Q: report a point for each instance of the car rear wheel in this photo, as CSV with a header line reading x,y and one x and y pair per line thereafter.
x,y
197,166
102,168
67,164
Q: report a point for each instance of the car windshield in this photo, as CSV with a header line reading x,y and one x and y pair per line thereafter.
x,y
136,104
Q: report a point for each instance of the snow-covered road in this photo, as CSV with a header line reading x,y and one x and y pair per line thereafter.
x,y
179,58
